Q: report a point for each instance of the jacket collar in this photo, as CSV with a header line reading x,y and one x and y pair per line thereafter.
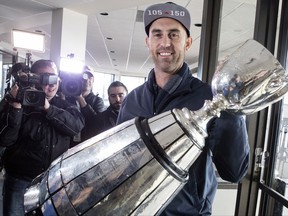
x,y
172,84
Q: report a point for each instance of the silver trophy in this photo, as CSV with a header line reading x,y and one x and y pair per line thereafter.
x,y
137,167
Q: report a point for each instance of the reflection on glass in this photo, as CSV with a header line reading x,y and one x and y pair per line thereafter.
x,y
275,208
281,163
235,29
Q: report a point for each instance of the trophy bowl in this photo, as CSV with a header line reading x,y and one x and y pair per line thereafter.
x,y
250,79
245,82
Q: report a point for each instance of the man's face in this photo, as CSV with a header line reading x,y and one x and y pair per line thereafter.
x,y
87,82
116,96
50,90
167,43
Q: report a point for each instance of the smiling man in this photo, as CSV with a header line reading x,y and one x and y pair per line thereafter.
x,y
170,84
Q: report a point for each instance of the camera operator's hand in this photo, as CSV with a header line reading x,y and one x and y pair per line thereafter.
x,y
46,105
81,101
13,93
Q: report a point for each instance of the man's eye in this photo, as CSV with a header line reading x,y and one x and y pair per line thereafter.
x,y
157,35
174,35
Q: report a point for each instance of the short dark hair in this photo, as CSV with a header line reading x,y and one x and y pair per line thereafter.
x,y
117,84
43,63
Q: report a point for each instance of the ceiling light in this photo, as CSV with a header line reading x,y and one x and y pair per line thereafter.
x,y
30,41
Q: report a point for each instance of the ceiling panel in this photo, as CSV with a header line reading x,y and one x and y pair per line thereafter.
x,y
124,25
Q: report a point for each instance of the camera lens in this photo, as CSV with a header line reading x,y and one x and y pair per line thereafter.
x,y
72,87
34,98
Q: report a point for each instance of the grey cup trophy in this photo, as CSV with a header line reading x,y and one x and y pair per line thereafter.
x,y
137,167
248,81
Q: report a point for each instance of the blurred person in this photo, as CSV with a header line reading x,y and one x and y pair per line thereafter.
x,y
89,103
87,96
170,84
34,136
117,91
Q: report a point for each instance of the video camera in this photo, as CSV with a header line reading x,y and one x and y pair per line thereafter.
x,y
28,82
71,74
71,83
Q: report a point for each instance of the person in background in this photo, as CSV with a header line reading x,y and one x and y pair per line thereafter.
x,y
87,96
34,135
89,103
170,84
117,91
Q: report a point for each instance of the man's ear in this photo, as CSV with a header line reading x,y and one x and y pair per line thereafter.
x,y
147,42
188,43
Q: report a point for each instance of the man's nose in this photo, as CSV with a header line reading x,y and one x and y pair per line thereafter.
x,y
166,41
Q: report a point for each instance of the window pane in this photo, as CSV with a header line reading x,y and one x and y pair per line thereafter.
x,y
235,31
132,82
101,84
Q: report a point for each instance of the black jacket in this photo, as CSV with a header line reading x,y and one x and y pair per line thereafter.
x,y
95,105
35,138
95,102
101,122
227,140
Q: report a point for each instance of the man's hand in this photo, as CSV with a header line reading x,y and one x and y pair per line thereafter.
x,y
13,93
46,105
81,101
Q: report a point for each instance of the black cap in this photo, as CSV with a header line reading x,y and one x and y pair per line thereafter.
x,y
167,10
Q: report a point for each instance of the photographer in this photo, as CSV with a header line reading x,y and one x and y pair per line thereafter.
x,y
90,104
34,135
87,96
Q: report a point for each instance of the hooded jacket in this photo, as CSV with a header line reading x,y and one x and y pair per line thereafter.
x,y
34,138
226,145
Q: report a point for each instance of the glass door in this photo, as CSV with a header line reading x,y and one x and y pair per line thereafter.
x,y
6,61
264,189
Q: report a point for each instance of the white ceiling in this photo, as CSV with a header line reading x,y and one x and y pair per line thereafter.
x,y
123,24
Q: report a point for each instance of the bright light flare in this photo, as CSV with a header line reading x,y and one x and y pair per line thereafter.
x,y
71,65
